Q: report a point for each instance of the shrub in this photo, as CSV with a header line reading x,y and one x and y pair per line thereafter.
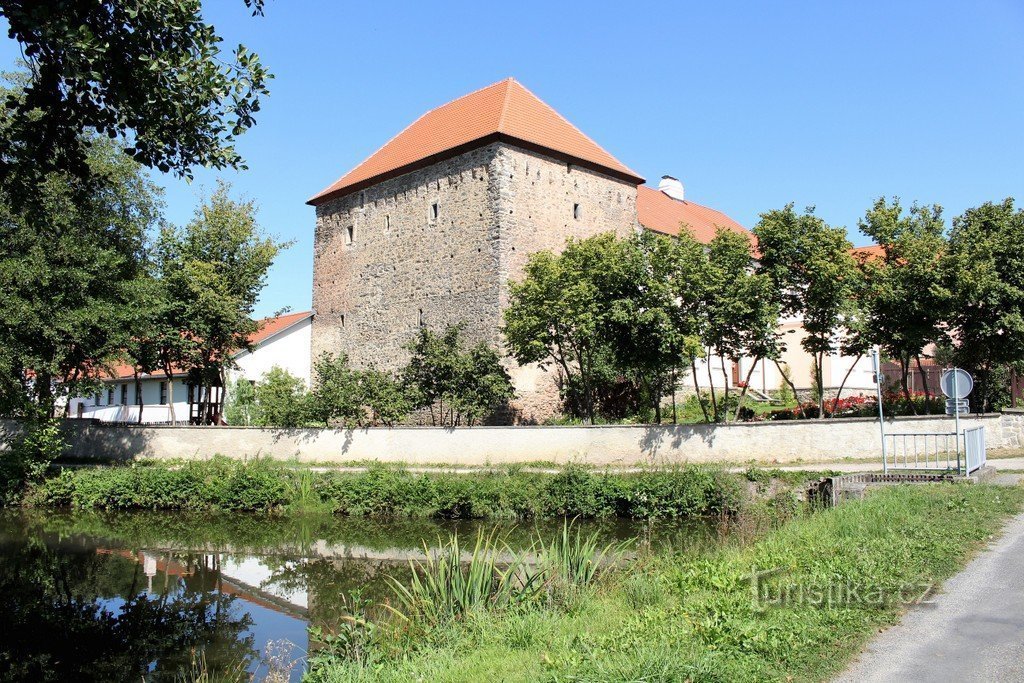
x,y
381,491
240,403
458,385
280,399
28,457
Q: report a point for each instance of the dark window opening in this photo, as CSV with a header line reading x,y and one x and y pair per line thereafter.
x,y
124,394
138,394
577,212
433,211
350,234
110,396
387,223
342,317
420,322
163,393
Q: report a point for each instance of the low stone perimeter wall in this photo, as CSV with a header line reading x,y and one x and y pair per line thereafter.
x,y
766,442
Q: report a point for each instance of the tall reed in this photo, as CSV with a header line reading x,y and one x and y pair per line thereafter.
x,y
572,558
444,586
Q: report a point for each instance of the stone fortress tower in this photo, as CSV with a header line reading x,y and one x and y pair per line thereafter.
x,y
429,230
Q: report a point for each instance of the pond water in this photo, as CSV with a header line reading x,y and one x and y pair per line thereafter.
x,y
162,596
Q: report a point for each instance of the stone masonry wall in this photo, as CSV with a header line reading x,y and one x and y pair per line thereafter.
x,y
404,266
384,264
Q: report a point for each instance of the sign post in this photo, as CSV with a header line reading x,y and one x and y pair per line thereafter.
x,y
956,384
876,368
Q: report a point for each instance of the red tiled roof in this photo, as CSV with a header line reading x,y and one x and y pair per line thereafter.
x,y
658,212
872,251
505,110
268,327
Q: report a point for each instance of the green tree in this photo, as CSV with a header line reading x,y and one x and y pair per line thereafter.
x,y
813,273
458,384
385,398
280,399
984,277
903,299
356,398
691,283
69,272
240,405
336,395
644,332
558,315
742,315
150,73
212,272
141,348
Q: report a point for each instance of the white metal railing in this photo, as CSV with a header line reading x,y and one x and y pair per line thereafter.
x,y
974,448
921,451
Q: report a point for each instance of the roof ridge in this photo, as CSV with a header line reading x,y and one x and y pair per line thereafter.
x,y
399,133
573,126
504,105
502,110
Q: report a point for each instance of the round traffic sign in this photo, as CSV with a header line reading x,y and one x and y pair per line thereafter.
x,y
964,383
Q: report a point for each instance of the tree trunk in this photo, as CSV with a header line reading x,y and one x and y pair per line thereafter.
x,y
222,395
725,398
819,376
743,390
169,374
44,393
904,371
138,393
984,388
696,388
711,386
585,379
924,385
842,384
656,389
788,381
675,387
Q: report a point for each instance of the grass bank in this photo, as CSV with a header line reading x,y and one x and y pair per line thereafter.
x,y
381,491
839,575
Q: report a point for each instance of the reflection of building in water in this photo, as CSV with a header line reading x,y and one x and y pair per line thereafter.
x,y
248,578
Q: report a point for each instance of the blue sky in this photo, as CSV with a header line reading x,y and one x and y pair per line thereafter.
x,y
752,105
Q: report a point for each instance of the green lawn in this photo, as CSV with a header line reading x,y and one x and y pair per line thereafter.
x,y
683,616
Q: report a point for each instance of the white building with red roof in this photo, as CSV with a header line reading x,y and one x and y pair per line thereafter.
x,y
282,341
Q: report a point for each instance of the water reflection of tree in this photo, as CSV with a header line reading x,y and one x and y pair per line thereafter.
x,y
328,583
75,614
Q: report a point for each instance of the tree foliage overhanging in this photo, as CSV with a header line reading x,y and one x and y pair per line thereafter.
x,y
151,74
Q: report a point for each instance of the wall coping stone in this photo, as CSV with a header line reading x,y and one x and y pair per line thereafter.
x,y
460,428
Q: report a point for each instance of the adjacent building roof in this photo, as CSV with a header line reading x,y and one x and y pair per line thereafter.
x,y
869,252
657,211
503,111
268,327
